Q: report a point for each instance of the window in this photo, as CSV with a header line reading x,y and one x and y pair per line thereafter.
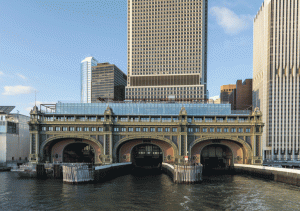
x,y
225,130
93,129
70,118
43,128
233,130
204,130
123,129
78,129
208,119
247,130
145,129
212,130
241,130
64,129
197,130
137,129
152,129
190,130
130,129
50,128
100,129
72,129
116,129
219,130
86,129
174,129
159,129
167,129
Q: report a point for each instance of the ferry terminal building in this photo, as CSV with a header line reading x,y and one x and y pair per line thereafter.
x,y
142,133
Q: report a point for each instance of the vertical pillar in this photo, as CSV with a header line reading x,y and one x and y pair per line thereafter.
x,y
37,148
110,145
179,145
104,145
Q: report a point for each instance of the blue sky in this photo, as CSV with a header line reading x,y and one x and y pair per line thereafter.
x,y
43,42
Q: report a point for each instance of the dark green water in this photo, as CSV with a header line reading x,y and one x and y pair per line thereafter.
x,y
155,192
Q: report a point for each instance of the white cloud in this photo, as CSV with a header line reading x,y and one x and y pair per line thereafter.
x,y
215,97
231,22
17,90
22,76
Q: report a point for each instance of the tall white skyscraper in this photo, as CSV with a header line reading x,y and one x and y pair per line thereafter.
x,y
167,49
86,79
276,63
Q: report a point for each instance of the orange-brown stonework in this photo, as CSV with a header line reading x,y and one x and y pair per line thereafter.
x,y
236,148
59,147
125,150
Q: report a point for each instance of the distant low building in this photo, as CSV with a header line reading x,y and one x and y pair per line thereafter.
x,y
217,101
225,92
14,136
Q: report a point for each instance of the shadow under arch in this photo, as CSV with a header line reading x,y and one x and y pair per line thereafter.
x,y
246,147
80,143
134,157
215,145
131,138
53,138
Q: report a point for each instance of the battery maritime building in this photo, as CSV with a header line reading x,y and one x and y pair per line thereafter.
x,y
276,77
167,50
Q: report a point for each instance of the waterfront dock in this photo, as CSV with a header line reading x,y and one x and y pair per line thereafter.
x,y
183,174
285,175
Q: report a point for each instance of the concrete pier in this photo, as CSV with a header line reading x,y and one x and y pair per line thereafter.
x,y
289,176
183,174
107,172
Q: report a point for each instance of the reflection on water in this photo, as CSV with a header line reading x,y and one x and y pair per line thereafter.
x,y
148,192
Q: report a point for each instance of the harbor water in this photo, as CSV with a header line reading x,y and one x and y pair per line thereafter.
x,y
148,192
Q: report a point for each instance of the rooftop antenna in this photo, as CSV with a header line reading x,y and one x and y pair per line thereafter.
x,y
35,97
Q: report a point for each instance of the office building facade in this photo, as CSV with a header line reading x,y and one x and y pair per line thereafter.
x,y
14,137
167,50
225,92
241,97
276,63
86,79
108,83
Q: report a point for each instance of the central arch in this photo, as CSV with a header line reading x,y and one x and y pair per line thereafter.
x,y
146,155
122,149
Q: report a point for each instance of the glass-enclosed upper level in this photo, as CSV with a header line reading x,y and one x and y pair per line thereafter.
x,y
159,109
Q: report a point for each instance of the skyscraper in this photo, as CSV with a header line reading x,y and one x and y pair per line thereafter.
x,y
108,82
86,79
276,76
167,49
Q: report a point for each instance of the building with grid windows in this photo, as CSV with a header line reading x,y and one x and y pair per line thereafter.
x,y
276,77
108,82
167,50
86,79
14,137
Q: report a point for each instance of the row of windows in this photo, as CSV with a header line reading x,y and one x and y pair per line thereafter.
x,y
164,88
86,129
146,129
163,93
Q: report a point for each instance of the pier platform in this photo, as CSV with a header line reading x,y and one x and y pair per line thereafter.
x,y
285,175
184,174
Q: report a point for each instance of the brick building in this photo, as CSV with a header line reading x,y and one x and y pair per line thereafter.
x,y
241,97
